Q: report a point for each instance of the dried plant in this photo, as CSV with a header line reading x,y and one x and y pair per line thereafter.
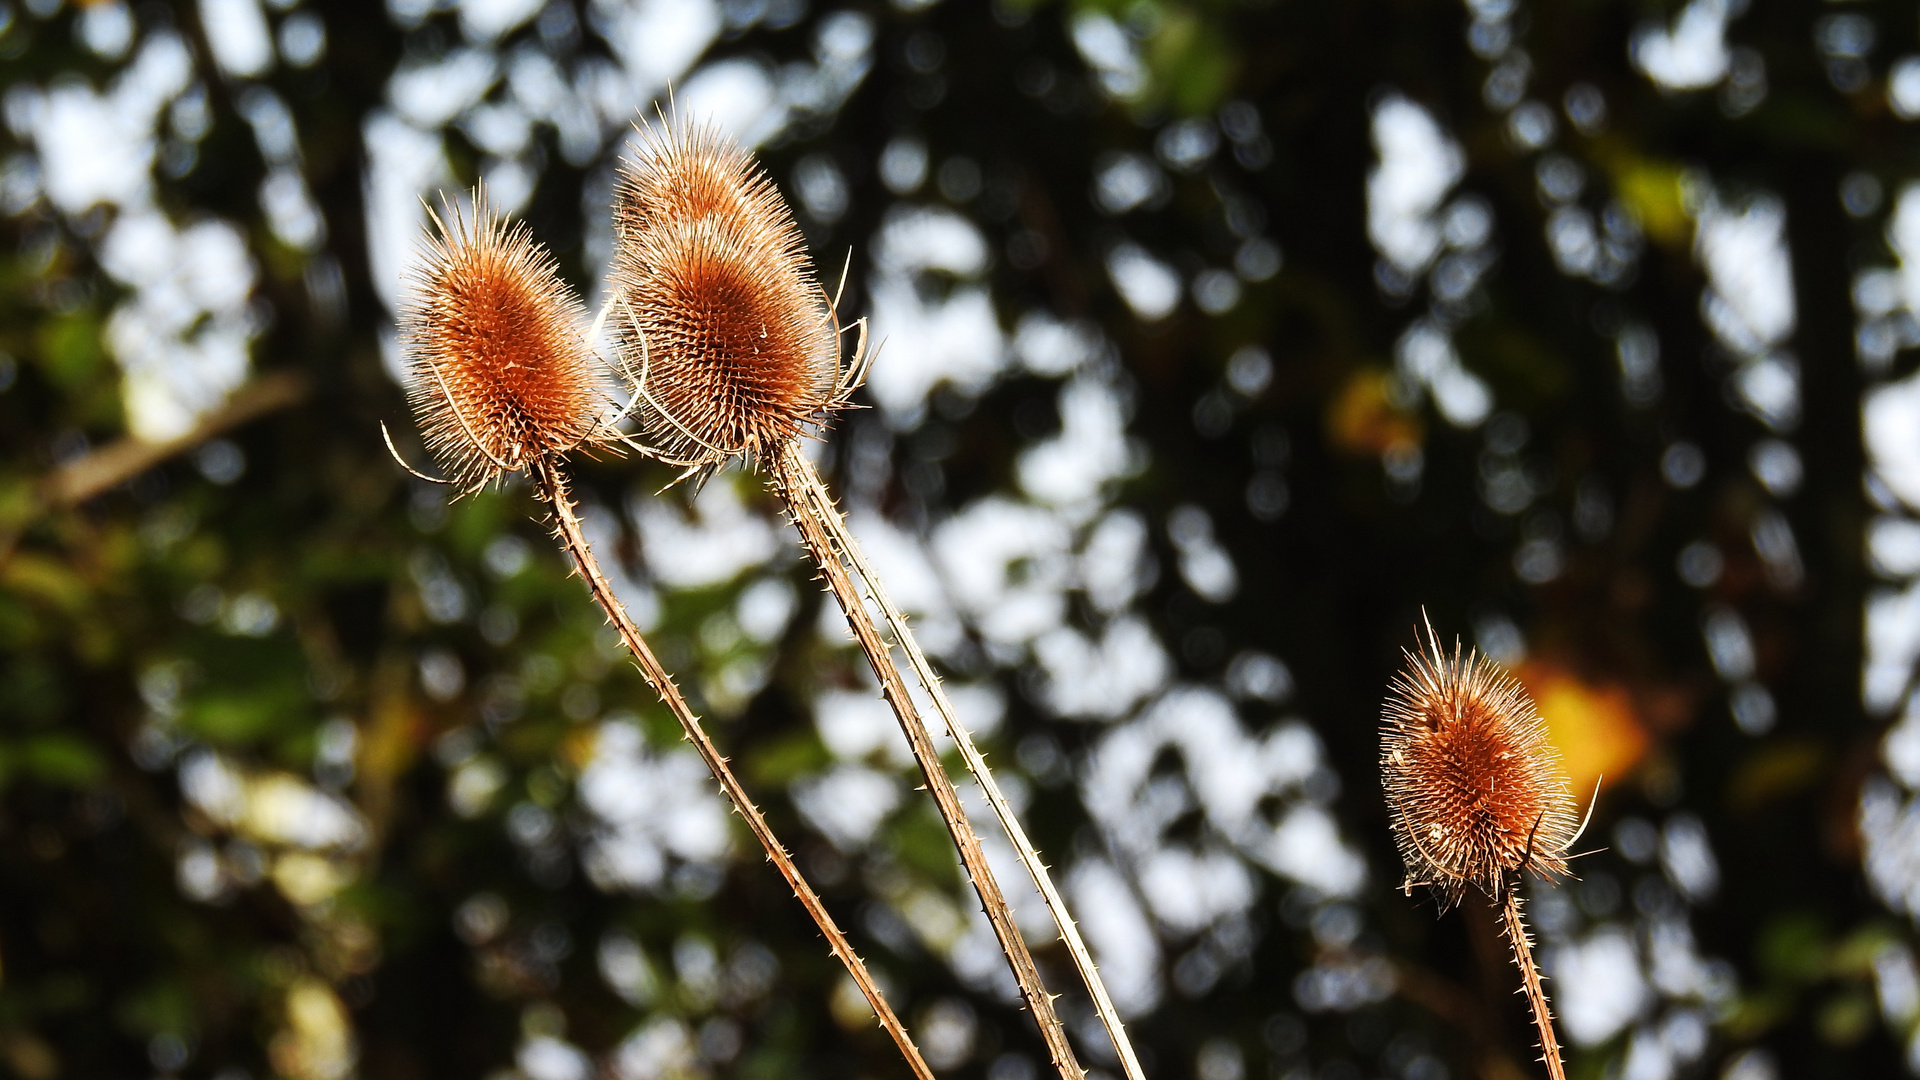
x,y
505,381
737,346
501,376
733,350
1477,796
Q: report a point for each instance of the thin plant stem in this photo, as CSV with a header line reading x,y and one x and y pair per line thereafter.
x,y
977,765
1516,928
552,486
826,538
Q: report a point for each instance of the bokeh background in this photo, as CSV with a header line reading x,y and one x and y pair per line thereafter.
x,y
1222,338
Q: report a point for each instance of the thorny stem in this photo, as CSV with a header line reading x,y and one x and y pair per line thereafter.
x,y
552,487
977,765
1516,928
827,539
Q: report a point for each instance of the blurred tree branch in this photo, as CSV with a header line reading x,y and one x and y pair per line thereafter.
x,y
125,458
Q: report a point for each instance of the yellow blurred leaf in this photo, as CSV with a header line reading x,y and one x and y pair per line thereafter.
x,y
1363,420
1594,726
577,748
1653,191
317,1043
44,579
306,879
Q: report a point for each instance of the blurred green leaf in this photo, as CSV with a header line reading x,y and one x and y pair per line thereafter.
x,y
62,759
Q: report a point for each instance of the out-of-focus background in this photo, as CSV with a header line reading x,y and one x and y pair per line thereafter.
x,y
1222,337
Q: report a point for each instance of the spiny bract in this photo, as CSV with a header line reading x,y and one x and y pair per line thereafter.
x,y
717,315
501,373
1474,789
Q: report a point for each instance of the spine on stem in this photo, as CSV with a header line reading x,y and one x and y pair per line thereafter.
x,y
1516,928
821,504
552,487
806,499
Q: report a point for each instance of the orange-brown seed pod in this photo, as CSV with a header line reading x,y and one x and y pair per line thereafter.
x,y
1475,791
717,314
501,373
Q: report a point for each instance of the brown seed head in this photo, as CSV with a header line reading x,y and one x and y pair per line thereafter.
x,y
718,316
501,374
1475,790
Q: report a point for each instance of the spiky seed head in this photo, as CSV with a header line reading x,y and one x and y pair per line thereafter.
x,y
501,373
1475,791
717,314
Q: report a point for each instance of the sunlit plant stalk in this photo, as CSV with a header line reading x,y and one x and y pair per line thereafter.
x,y
734,350
503,381
1477,797
814,492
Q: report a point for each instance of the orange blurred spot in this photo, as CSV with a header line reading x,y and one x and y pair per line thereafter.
x,y
1362,419
1594,726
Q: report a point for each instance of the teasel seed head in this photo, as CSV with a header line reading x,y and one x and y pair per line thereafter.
x,y
501,373
1475,791
730,342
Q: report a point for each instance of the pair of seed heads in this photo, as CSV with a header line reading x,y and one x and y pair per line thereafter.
x,y
724,341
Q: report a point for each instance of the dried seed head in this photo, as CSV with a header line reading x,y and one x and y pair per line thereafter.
x,y
1475,790
717,314
501,373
